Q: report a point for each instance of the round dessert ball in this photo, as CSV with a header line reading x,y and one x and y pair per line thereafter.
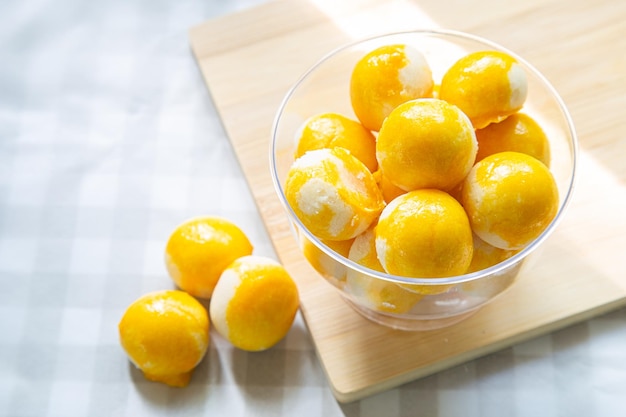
x,y
385,78
517,133
424,234
486,255
254,303
378,294
333,194
487,85
329,130
510,199
324,264
426,143
166,335
200,249
387,188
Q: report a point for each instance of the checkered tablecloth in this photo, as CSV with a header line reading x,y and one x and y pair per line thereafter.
x,y
108,140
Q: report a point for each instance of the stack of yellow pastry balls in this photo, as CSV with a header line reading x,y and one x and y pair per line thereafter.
x,y
427,179
253,302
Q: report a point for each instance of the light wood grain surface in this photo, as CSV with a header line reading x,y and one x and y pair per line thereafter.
x,y
250,59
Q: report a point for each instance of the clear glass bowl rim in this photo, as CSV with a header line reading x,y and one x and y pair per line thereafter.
x,y
444,34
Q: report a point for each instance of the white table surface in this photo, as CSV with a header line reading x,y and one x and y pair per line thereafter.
x,y
108,140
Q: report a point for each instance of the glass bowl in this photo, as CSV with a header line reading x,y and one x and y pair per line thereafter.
x,y
437,302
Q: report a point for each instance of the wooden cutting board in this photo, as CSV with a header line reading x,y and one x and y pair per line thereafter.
x,y
250,59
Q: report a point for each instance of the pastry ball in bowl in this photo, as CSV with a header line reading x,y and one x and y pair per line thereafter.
x,y
435,228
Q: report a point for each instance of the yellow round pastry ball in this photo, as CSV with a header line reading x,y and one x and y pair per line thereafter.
x,y
198,251
486,255
333,194
424,234
385,78
329,130
510,199
517,133
387,188
254,303
487,85
426,143
323,263
166,335
378,294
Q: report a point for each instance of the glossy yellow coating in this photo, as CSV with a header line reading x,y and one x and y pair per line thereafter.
x,y
198,251
333,194
518,133
423,289
486,255
328,130
487,85
426,143
385,78
424,234
387,188
165,334
323,263
381,295
510,199
254,303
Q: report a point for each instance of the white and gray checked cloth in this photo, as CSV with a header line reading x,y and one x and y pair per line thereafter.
x,y
108,140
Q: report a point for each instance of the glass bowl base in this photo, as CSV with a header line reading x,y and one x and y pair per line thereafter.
x,y
409,323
